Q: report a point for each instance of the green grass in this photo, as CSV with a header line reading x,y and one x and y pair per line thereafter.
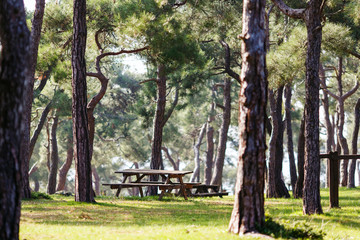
x,y
175,218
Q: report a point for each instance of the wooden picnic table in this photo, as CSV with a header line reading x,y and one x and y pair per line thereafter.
x,y
171,179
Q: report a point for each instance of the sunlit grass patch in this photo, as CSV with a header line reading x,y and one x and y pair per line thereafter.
x,y
175,218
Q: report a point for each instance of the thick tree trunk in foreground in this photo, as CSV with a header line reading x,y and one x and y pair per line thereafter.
x,y
293,175
195,177
83,180
351,180
311,191
248,211
220,156
14,39
54,162
64,169
29,92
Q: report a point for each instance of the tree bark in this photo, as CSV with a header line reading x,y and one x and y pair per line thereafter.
x,y
38,129
64,169
171,160
312,16
195,177
311,191
54,162
271,189
209,153
96,180
301,162
341,98
220,155
293,175
83,179
29,92
158,126
14,39
248,211
330,141
351,180
281,190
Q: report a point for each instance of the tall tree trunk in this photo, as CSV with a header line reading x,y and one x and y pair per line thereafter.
x,y
271,189
312,16
64,169
351,180
311,191
220,156
96,180
83,179
29,92
330,141
54,162
209,153
301,162
195,177
248,211
281,190
156,156
14,39
293,175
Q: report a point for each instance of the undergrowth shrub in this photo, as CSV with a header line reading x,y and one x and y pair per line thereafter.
x,y
301,230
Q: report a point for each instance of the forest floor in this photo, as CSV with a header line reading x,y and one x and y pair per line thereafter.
x,y
174,218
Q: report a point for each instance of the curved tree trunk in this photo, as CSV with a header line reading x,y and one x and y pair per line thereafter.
x,y
14,59
351,180
83,178
171,160
220,156
54,162
293,175
248,211
195,177
301,162
64,169
29,92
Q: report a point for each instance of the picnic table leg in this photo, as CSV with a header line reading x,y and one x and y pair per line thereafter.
x,y
138,179
119,189
182,187
163,190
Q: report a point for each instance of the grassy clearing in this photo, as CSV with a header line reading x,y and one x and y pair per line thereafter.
x,y
174,218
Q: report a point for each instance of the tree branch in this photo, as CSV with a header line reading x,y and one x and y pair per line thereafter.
x,y
291,12
173,105
351,92
148,80
228,69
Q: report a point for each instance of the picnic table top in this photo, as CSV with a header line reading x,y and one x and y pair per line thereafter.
x,y
152,172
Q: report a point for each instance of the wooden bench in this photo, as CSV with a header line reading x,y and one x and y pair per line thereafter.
x,y
202,190
162,186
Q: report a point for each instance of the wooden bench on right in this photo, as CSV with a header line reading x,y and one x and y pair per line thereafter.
x,y
208,190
